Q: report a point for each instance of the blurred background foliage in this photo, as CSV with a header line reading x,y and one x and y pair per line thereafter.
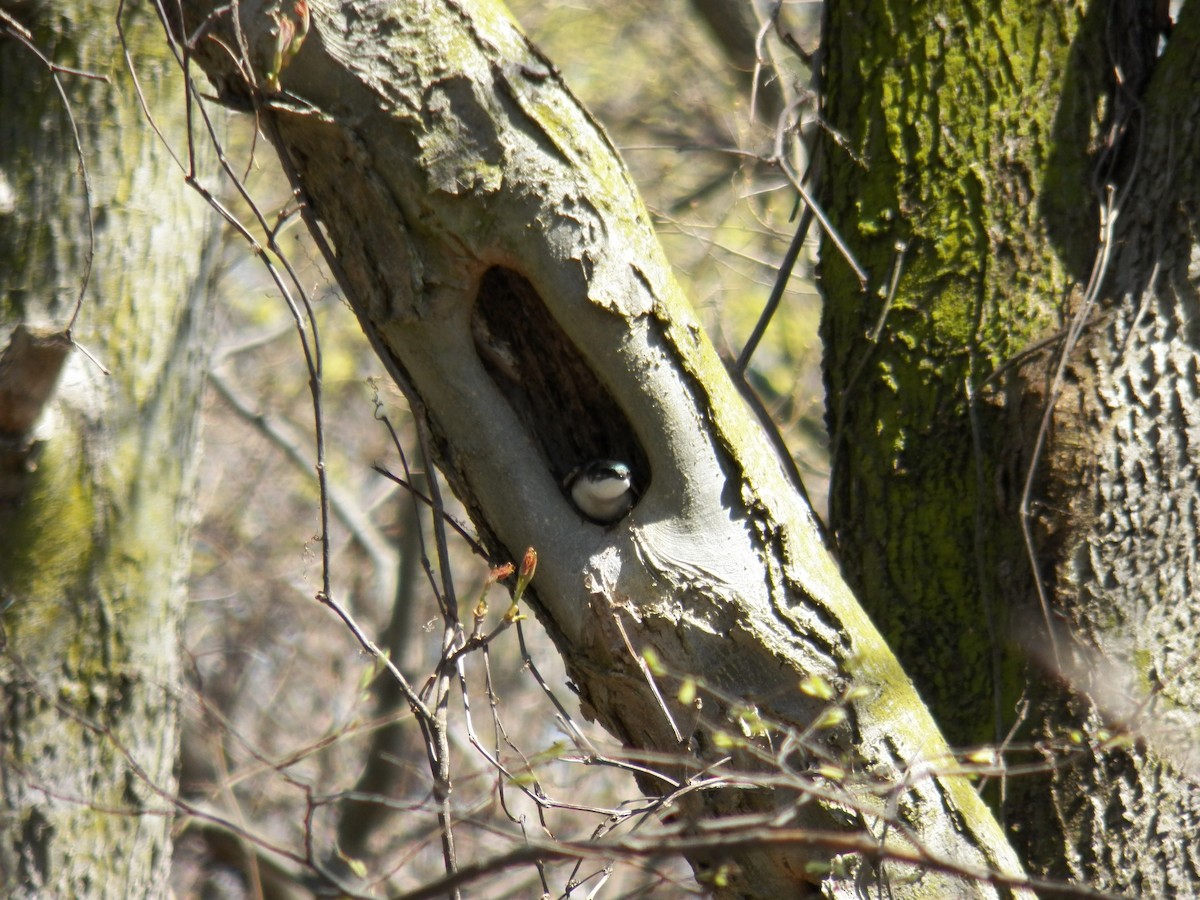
x,y
282,710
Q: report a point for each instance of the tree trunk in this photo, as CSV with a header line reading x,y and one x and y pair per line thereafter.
x,y
998,144
938,181
1121,473
98,468
489,239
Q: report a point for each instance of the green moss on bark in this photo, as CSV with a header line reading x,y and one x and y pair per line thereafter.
x,y
49,539
948,114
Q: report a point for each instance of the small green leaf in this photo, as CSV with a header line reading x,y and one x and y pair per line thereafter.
x,y
724,740
984,756
687,691
816,686
831,718
650,658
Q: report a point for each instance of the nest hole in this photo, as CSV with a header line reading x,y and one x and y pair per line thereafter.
x,y
555,393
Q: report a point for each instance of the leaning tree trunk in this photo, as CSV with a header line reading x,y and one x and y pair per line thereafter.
x,y
972,139
489,239
98,459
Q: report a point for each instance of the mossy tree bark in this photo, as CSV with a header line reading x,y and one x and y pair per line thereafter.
x,y
98,468
1013,149
488,237
940,179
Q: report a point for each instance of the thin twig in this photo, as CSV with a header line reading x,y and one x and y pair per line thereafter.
x,y
1108,218
782,277
873,338
644,668
356,521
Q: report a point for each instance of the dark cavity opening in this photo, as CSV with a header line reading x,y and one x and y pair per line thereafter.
x,y
549,385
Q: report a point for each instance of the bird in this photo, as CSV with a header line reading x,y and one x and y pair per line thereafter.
x,y
601,489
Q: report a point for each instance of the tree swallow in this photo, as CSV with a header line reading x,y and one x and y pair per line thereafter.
x,y
602,490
